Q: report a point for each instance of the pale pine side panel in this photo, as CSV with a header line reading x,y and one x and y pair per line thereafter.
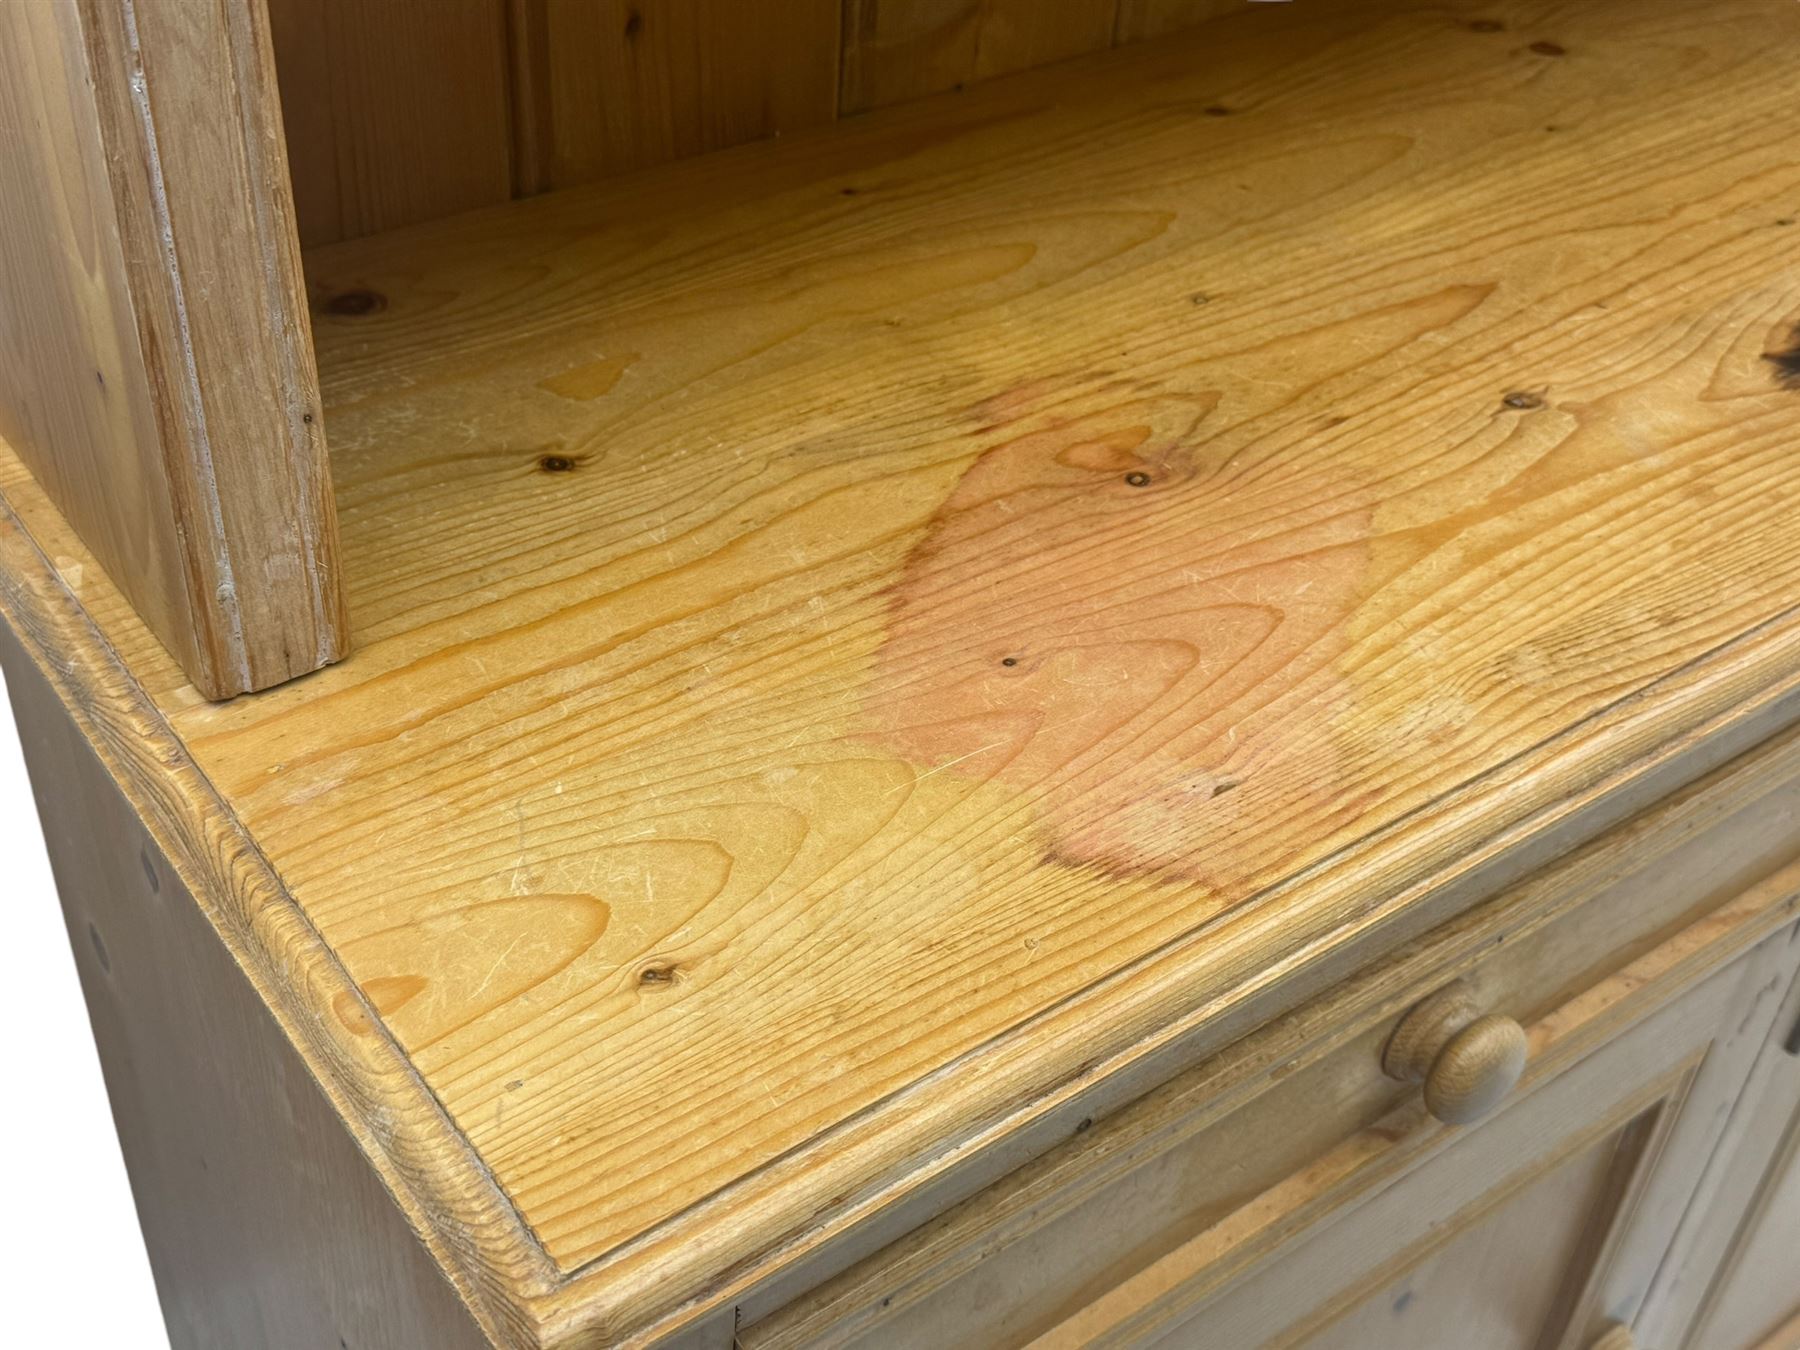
x,y
156,368
65,310
900,49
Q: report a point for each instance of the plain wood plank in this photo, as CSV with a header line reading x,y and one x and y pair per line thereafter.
x,y
265,1225
900,49
156,370
603,86
67,310
1141,19
396,110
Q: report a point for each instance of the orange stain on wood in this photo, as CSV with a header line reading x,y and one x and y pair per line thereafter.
x,y
1134,617
1099,620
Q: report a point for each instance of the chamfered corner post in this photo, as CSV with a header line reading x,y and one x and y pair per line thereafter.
x,y
156,365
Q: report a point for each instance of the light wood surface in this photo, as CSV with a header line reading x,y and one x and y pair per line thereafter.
x,y
407,110
396,110
426,1167
716,687
156,371
900,49
681,821
265,1226
617,84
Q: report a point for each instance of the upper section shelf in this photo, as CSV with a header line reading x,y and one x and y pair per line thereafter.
x,y
406,110
863,634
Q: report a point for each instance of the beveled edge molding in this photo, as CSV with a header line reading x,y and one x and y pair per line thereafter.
x,y
448,1197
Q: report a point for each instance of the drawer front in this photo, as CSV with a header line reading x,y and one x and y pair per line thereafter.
x,y
1214,1145
1542,1226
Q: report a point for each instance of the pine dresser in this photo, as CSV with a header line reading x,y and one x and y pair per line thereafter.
x,y
921,673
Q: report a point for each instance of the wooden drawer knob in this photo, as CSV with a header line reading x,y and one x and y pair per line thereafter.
x,y
1467,1061
1616,1337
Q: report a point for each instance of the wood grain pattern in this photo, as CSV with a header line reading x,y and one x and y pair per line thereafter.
x,y
396,110
157,370
424,1165
773,491
264,1223
900,49
406,110
400,111
651,491
88,441
613,85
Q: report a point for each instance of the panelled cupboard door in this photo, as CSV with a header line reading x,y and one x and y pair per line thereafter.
x,y
1534,1230
1735,1279
1499,1281
1758,1300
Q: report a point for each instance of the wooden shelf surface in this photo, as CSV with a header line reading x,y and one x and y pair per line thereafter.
x,y
857,637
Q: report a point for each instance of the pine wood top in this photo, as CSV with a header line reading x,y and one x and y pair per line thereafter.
x,y
862,638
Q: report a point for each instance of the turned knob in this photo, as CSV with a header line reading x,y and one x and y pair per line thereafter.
x,y
1467,1061
1617,1336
